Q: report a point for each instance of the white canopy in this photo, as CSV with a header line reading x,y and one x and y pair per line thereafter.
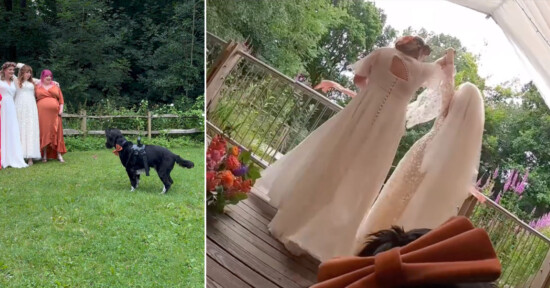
x,y
526,24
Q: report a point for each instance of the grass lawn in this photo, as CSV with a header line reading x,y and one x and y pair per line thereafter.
x,y
78,225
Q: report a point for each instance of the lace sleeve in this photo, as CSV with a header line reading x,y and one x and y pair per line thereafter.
x,y
434,100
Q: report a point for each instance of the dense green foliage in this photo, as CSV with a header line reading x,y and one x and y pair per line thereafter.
x,y
124,51
320,38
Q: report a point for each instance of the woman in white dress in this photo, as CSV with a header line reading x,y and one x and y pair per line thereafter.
x,y
27,114
324,186
12,154
433,179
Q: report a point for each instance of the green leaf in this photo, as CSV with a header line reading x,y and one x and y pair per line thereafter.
x,y
237,197
253,172
245,157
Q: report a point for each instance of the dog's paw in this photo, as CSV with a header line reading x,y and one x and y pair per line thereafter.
x,y
163,190
133,189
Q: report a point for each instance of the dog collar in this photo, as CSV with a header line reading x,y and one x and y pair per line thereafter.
x,y
118,148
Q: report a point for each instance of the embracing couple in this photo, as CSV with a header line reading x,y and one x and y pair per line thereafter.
x,y
330,191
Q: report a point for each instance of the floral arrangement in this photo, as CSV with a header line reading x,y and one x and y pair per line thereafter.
x,y
230,174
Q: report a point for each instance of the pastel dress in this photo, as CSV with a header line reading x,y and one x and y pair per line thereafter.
x,y
432,180
27,117
12,153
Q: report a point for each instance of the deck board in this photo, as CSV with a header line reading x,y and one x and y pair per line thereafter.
x,y
240,249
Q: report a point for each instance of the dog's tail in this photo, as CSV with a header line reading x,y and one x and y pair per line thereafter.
x,y
184,163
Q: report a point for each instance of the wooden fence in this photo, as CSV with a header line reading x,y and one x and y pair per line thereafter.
x,y
84,125
237,83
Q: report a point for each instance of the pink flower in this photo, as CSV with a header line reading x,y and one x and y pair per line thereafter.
x,y
514,180
509,180
541,223
495,175
498,198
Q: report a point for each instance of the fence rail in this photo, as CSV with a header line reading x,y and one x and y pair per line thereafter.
x,y
84,124
268,114
257,106
523,251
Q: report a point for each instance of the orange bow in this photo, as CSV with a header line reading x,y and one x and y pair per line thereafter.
x,y
456,252
118,148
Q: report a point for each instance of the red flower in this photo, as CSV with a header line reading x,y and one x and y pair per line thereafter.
x,y
232,163
211,181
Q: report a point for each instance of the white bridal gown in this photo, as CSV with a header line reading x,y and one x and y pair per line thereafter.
x,y
433,179
12,155
324,186
27,118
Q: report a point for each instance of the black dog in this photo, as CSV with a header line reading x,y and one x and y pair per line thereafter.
x,y
385,240
138,158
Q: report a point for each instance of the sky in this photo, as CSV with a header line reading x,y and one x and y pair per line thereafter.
x,y
498,61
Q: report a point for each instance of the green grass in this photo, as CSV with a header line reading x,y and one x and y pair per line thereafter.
x,y
78,225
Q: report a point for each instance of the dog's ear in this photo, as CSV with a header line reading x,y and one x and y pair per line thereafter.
x,y
384,240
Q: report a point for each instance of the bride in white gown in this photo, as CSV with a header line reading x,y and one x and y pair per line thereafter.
x,y
12,154
324,186
433,179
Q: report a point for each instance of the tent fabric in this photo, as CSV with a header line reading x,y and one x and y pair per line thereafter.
x,y
526,24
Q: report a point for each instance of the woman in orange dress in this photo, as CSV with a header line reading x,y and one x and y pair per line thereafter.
x,y
0,131
49,101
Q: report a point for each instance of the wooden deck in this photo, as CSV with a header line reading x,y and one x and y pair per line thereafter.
x,y
242,253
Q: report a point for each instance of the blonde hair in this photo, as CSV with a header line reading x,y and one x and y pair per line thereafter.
x,y
4,67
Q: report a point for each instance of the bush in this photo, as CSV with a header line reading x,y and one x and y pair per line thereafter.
x,y
90,143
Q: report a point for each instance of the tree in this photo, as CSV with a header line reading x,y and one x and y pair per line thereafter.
x,y
354,32
282,33
123,51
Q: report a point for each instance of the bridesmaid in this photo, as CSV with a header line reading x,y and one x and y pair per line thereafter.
x,y
50,107
27,114
0,131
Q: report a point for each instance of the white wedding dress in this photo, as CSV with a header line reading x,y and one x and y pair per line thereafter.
x,y
433,179
12,154
324,186
27,118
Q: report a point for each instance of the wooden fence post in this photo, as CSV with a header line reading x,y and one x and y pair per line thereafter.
x,y
542,278
468,206
149,125
222,67
83,123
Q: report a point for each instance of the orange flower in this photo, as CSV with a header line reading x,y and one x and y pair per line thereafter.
x,y
235,151
227,179
232,163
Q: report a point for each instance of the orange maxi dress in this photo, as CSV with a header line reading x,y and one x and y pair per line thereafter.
x,y
51,126
0,131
